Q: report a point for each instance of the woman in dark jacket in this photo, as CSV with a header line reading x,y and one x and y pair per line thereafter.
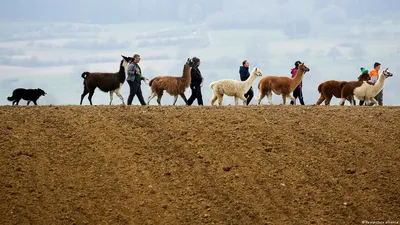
x,y
244,75
195,84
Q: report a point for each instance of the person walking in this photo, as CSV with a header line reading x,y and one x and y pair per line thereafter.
x,y
134,79
374,74
244,75
363,71
298,91
195,83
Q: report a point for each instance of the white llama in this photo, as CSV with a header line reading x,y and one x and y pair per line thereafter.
x,y
233,88
368,92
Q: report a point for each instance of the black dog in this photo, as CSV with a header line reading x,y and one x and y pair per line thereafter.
x,y
26,94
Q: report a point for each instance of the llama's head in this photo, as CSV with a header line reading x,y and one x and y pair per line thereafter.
x,y
364,77
386,73
303,68
125,61
257,72
41,92
189,62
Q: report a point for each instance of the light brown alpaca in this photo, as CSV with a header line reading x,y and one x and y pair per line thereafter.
x,y
174,86
281,85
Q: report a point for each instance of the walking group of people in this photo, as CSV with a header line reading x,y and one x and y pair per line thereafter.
x,y
134,78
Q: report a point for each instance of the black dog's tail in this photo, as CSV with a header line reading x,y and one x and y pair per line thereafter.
x,y
84,74
11,98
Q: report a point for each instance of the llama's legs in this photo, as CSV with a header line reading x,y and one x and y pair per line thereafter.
x,y
220,98
85,92
269,96
284,99
213,99
28,102
117,92
244,99
236,100
159,98
321,99
352,100
342,100
374,101
262,95
292,99
175,99
34,102
151,96
328,100
90,97
111,96
183,96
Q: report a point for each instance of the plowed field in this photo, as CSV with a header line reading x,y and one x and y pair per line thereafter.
x,y
199,165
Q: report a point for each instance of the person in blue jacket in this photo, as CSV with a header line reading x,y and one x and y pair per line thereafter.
x,y
244,75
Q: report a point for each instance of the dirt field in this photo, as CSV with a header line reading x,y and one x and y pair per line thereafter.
x,y
199,165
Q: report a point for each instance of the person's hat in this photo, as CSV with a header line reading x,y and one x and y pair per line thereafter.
x,y
363,70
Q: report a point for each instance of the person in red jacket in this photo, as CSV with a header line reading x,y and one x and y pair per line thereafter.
x,y
298,92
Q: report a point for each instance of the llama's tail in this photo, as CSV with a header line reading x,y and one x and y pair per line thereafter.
x,y
259,86
212,85
85,74
151,81
320,88
11,98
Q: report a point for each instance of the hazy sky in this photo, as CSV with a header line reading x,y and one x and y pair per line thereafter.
x,y
48,44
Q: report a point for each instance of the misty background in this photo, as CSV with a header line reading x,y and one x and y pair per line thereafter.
x,y
48,44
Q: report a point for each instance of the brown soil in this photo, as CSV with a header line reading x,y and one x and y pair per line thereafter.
x,y
198,165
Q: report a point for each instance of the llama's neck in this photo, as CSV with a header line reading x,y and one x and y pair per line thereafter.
x,y
247,83
186,72
186,78
297,79
379,84
122,73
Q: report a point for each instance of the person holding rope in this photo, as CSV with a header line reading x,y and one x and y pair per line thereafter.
x,y
134,79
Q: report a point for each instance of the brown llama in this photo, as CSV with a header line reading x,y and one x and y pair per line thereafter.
x,y
281,85
330,88
106,82
174,86
347,88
